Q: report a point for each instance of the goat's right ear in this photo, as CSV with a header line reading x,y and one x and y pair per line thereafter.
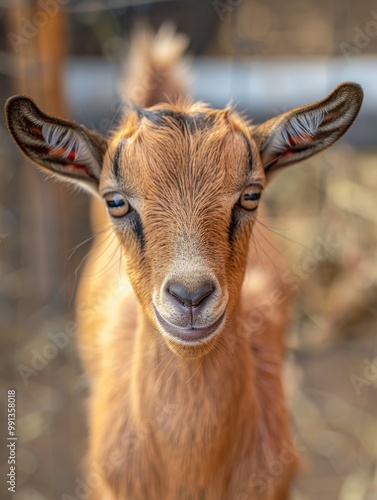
x,y
61,148
303,132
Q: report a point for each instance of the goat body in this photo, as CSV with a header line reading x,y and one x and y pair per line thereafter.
x,y
166,427
183,338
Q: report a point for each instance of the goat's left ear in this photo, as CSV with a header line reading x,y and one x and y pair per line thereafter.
x,y
304,131
59,147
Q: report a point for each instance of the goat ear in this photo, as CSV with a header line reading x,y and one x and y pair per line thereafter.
x,y
61,148
304,131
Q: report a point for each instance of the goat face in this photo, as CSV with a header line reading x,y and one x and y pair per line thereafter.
x,y
183,191
182,184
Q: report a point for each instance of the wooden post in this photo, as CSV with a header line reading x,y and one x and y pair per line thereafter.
x,y
38,64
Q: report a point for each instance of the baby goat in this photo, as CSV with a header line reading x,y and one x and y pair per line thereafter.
x,y
186,394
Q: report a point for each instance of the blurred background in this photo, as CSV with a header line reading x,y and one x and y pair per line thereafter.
x,y
268,56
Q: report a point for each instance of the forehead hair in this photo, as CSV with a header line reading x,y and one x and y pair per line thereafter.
x,y
181,143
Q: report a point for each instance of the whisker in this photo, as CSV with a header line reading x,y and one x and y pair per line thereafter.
x,y
164,358
167,365
85,257
73,250
256,242
192,376
176,368
110,260
287,238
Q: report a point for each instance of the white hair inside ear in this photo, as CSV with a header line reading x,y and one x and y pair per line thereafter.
x,y
298,128
65,142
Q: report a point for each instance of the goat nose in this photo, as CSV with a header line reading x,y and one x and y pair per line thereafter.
x,y
190,298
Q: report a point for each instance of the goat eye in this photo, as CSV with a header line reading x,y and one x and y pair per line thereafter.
x,y
117,204
250,197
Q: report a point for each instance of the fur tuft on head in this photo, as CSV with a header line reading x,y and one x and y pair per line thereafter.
x,y
154,71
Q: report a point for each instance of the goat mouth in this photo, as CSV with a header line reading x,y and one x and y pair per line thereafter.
x,y
191,335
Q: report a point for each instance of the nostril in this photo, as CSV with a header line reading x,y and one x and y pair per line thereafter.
x,y
202,293
190,298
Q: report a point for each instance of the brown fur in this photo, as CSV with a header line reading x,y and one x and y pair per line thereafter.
x,y
170,420
195,423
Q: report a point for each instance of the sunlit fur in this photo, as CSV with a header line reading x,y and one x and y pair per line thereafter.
x,y
186,422
206,422
170,420
185,209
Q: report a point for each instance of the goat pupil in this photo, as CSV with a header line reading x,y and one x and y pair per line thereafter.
x,y
116,203
251,196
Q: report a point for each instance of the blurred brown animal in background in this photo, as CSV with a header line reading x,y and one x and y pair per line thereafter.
x,y
186,394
